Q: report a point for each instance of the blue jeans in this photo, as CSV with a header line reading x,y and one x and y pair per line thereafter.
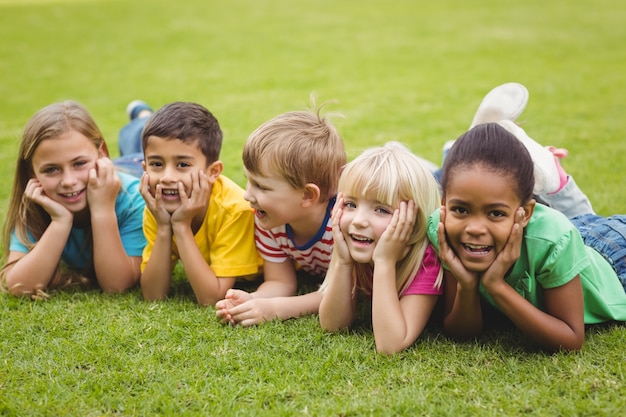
x,y
607,235
129,143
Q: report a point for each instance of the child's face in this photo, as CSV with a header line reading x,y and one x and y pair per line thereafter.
x,y
169,162
62,167
480,212
274,200
362,222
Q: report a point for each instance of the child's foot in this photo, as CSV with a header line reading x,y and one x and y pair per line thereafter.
x,y
504,102
138,108
550,176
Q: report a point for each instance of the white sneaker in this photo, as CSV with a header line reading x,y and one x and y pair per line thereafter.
x,y
547,175
135,107
504,102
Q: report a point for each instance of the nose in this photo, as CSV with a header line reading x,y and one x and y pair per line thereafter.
x,y
359,218
68,179
168,175
475,226
247,195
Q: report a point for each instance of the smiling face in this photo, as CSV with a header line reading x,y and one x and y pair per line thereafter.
x,y
62,167
362,222
274,200
480,212
169,162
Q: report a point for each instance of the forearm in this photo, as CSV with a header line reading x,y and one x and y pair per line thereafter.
x,y
273,288
297,306
545,329
463,319
34,270
115,270
338,304
207,287
390,326
156,277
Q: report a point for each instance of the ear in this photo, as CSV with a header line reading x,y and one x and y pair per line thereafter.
x,y
102,150
214,170
529,208
143,165
310,195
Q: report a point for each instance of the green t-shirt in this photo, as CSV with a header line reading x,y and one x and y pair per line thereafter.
x,y
552,254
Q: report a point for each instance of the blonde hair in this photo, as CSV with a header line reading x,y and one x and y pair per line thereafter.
x,y
27,219
301,146
392,174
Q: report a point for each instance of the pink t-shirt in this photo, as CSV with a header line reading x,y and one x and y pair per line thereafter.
x,y
424,280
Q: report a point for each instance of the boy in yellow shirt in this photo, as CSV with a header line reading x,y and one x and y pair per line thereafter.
x,y
193,212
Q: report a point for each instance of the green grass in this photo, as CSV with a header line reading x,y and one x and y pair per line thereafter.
x,y
406,70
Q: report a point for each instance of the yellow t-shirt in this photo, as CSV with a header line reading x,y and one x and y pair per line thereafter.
x,y
226,236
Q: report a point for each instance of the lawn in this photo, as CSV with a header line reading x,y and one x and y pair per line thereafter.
x,y
412,71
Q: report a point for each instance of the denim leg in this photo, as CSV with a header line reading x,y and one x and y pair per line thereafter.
x,y
608,237
569,200
129,140
130,164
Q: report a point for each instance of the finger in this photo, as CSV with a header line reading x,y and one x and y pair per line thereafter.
x,y
93,177
181,192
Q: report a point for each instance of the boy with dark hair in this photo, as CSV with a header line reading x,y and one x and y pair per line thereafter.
x,y
193,213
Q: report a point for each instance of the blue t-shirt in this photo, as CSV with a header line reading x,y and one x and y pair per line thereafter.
x,y
129,207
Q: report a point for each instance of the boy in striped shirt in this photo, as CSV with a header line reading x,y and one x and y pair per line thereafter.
x,y
292,163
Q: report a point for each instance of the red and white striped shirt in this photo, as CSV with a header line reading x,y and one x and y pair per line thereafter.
x,y
277,245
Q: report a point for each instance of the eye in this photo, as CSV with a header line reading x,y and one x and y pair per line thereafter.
x,y
50,170
349,204
155,164
183,165
498,213
383,210
458,210
80,163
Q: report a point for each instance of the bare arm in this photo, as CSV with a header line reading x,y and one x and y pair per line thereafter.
x,y
397,322
273,299
207,287
338,305
462,311
561,327
104,186
279,280
156,277
28,272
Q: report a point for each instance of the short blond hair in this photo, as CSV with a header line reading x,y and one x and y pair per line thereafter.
x,y
302,146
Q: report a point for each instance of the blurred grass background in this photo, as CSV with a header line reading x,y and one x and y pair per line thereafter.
x,y
407,70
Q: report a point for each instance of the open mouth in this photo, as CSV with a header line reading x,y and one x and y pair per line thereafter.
x,y
259,213
361,240
73,196
170,194
477,249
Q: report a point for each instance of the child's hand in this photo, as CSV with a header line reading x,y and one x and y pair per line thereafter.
x,y
240,307
393,243
510,253
58,212
340,247
196,202
467,279
104,186
154,203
